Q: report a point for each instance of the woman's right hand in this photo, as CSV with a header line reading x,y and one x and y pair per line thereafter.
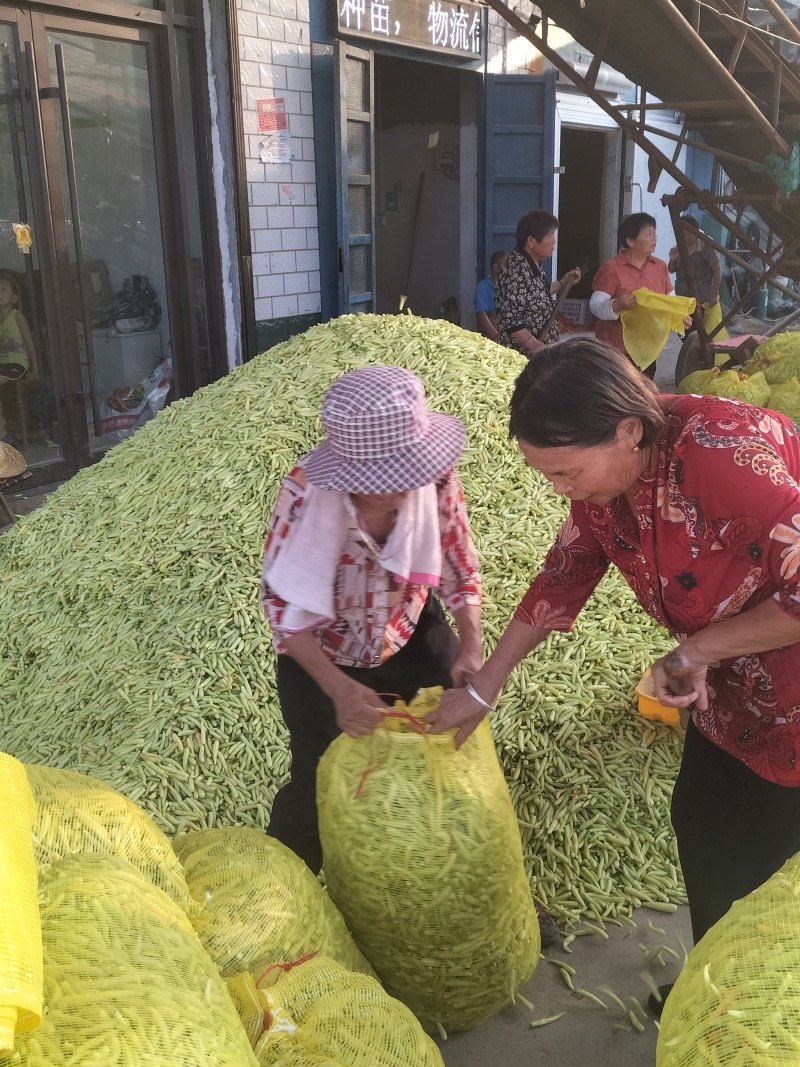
x,y
459,711
358,708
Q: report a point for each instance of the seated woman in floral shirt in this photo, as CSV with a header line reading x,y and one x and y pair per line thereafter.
x,y
696,500
523,295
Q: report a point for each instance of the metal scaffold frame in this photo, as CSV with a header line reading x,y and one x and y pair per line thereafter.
x,y
761,119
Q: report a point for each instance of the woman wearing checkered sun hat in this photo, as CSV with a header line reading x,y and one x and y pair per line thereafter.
x,y
368,531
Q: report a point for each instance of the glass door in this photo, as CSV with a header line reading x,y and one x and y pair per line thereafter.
x,y
111,246
102,274
30,416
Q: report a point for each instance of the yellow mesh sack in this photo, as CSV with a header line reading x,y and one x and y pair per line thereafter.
x,y
737,999
646,327
77,814
318,1013
126,981
785,398
772,351
20,930
261,903
422,855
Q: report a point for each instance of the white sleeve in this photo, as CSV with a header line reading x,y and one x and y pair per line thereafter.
x,y
600,305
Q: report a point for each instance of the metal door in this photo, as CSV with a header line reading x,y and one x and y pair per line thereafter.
x,y
520,146
355,164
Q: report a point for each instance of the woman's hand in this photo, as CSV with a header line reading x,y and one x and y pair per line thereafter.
x,y
572,277
468,662
625,302
359,709
697,677
30,375
459,711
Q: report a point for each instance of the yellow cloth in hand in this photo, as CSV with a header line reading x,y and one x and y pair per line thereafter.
x,y
712,317
646,327
20,927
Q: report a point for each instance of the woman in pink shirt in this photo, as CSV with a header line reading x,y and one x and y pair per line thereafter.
x,y
632,268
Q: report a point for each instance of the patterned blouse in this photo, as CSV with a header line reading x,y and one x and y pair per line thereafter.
x,y
717,531
391,609
523,301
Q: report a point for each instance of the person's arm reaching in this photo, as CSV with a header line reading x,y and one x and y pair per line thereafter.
x,y
358,708
769,508
459,709
571,571
761,629
460,586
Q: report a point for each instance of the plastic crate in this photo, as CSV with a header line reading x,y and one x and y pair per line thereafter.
x,y
577,311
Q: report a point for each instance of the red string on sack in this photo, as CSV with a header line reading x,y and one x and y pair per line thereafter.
x,y
419,727
287,966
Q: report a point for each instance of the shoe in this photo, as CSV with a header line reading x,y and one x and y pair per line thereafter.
x,y
657,1006
550,933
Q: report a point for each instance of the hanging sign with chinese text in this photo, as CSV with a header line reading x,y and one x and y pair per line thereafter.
x,y
435,25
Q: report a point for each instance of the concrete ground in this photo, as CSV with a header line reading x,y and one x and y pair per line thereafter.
x,y
584,1036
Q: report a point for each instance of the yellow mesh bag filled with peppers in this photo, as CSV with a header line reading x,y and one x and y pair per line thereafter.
x,y
77,814
422,854
126,981
261,903
20,928
314,1013
737,999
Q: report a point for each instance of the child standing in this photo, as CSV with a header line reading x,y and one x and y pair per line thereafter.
x,y
17,352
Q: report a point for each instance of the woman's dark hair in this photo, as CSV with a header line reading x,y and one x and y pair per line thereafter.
x,y
536,224
632,226
690,220
576,392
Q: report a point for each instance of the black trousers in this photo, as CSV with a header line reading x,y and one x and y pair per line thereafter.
x,y
311,719
734,828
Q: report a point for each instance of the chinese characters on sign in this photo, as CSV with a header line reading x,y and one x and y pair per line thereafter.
x,y
271,114
439,25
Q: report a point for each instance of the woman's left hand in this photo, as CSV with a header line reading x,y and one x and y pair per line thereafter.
x,y
468,662
698,672
572,277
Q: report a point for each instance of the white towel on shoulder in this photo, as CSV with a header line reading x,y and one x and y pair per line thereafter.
x,y
304,573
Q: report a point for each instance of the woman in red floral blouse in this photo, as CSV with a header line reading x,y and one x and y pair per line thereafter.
x,y
696,500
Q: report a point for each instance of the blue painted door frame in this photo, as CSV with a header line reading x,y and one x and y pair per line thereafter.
x,y
520,153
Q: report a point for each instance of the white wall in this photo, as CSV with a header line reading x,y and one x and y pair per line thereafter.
x,y
275,61
640,199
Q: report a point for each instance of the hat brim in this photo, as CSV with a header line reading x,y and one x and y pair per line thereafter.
x,y
426,461
12,462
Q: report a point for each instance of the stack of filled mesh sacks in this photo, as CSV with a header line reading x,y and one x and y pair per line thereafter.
x,y
770,379
125,978
133,951
737,999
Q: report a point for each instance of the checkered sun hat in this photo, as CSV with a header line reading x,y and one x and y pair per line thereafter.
x,y
380,436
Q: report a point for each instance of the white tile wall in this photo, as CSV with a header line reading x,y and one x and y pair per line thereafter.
x,y
275,61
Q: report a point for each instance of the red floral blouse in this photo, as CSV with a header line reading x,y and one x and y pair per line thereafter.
x,y
717,532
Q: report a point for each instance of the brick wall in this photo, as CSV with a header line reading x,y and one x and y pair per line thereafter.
x,y
275,57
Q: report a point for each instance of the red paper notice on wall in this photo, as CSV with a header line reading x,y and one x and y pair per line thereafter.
x,y
271,114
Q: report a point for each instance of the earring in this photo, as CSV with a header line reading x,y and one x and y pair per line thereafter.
x,y
635,448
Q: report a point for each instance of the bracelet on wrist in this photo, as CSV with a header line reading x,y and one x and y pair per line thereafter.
x,y
473,692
